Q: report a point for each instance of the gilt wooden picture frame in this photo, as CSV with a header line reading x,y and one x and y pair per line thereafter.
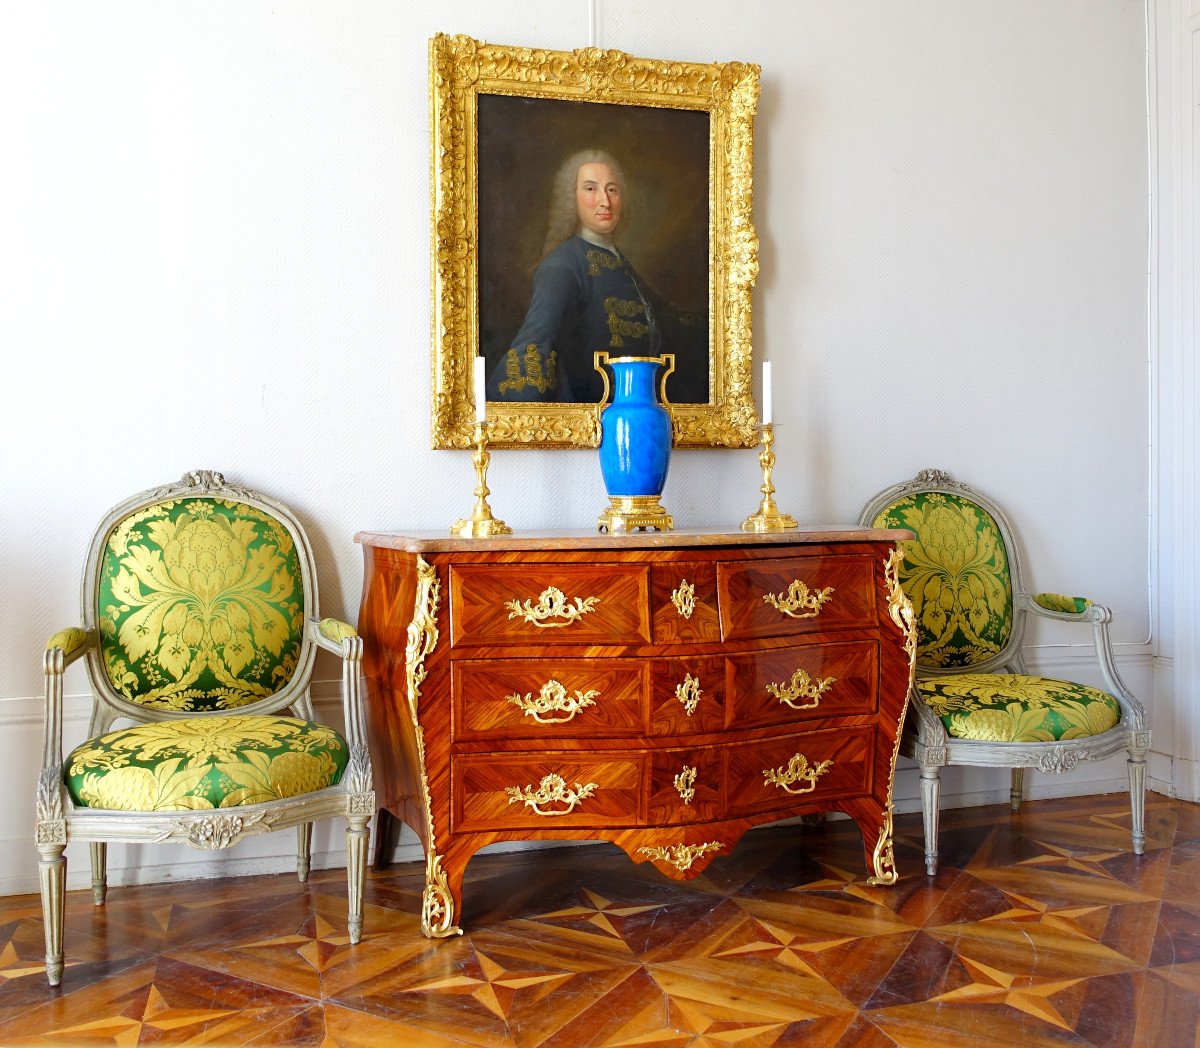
x,y
505,120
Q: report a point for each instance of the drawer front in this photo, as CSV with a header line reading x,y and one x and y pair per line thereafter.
x,y
687,696
685,786
548,698
818,766
547,791
786,685
781,598
683,603
540,604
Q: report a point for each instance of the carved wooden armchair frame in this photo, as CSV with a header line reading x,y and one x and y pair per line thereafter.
x,y
61,818
926,738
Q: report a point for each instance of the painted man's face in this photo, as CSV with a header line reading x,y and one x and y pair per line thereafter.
x,y
598,198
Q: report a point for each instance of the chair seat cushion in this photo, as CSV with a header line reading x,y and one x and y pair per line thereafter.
x,y
205,762
1008,707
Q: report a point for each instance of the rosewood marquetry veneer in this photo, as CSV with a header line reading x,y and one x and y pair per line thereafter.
x,y
664,691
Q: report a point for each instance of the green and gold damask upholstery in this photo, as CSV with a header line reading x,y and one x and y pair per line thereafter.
x,y
956,574
1009,707
201,605
1059,602
202,763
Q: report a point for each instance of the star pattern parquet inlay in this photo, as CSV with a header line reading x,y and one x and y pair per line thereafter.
x,y
1040,929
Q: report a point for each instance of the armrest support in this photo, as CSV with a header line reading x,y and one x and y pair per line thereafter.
x,y
65,647
343,640
1099,616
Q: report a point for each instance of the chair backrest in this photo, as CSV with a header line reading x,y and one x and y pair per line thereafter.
x,y
199,593
959,571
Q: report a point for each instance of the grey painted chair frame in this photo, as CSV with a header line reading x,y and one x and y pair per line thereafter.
x,y
59,821
925,739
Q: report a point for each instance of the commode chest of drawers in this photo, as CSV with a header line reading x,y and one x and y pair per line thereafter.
x,y
664,691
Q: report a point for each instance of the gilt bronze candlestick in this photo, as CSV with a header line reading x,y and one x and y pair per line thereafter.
x,y
480,524
768,517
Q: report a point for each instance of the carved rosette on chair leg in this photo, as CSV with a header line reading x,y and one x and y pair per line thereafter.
x,y
635,443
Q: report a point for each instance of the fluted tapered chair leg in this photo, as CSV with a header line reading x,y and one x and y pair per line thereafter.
x,y
99,852
52,875
1137,799
1016,791
931,791
357,835
303,850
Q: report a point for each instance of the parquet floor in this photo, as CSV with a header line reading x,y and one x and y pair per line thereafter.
x,y
1041,929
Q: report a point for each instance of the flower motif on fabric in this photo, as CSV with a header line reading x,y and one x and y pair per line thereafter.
x,y
201,605
956,575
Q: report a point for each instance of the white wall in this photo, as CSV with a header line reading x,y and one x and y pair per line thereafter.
x,y
1174,27
216,255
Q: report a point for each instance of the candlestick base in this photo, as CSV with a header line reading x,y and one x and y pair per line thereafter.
x,y
481,528
480,524
633,512
768,517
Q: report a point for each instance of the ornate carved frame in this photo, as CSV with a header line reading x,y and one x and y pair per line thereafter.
x,y
461,69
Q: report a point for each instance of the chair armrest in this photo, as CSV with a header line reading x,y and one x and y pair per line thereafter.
x,y
332,634
1059,606
73,642
61,650
1098,616
342,639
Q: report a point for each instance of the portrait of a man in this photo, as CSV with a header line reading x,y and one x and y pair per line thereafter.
x,y
593,235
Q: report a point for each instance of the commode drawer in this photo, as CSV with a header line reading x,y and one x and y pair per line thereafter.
x,y
548,698
816,766
780,598
547,790
806,682
549,604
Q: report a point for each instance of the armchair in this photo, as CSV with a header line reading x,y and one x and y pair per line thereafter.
x,y
199,625
974,702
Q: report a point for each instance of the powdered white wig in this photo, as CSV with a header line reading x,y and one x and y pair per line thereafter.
x,y
564,216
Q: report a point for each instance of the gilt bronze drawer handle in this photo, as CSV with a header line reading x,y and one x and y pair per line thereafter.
x,y
797,770
681,856
552,604
798,602
552,789
689,693
685,784
802,686
553,698
684,599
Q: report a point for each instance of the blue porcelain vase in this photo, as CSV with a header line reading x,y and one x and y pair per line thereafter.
x,y
635,442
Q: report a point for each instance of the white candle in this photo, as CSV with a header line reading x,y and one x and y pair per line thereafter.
x,y
766,392
480,390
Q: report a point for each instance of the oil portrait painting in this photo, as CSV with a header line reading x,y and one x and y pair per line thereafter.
x,y
589,201
593,235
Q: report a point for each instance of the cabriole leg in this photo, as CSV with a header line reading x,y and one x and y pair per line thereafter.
x,y
99,852
303,849
931,790
1017,790
52,875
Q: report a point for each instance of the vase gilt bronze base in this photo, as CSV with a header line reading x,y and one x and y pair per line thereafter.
x,y
633,512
